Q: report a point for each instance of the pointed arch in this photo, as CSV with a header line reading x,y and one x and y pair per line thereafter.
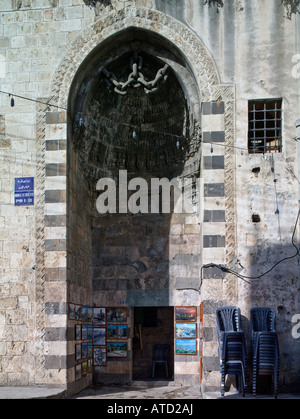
x,y
196,54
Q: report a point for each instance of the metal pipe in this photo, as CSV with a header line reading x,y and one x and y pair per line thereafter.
x,y
298,144
297,23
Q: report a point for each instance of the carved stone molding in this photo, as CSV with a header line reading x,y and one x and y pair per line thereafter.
x,y
40,246
197,55
227,93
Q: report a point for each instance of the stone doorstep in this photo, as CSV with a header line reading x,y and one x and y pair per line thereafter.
x,y
29,392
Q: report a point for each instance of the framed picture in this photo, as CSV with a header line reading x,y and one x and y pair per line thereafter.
x,y
84,332
99,336
99,316
186,314
186,330
90,350
185,347
117,315
77,312
89,332
84,368
84,311
78,332
117,349
99,356
78,351
77,372
71,311
84,350
89,314
117,331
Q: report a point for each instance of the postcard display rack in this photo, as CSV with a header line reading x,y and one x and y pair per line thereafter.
x,y
188,332
101,334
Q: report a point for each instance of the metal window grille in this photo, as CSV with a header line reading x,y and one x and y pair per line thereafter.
x,y
265,126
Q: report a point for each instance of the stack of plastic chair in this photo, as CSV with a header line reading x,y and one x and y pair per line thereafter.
x,y
232,347
264,343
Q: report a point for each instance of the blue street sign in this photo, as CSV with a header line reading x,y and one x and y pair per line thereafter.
x,y
24,191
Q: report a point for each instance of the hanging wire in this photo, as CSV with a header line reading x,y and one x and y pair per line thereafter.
x,y
133,127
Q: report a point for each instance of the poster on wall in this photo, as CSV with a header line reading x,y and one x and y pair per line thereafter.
x,y
99,315
72,311
117,315
186,330
77,312
78,332
99,356
78,351
84,313
99,336
117,331
117,349
77,372
84,332
186,314
186,347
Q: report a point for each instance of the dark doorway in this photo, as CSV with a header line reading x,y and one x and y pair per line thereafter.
x,y
152,325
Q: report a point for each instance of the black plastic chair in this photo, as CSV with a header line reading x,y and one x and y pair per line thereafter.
x,y
232,346
262,319
161,354
264,343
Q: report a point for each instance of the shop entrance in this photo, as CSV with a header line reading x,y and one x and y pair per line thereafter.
x,y
152,326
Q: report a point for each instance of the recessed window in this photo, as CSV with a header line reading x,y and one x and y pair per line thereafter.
x,y
265,126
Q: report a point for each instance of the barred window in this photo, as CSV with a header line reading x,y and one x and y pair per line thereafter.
x,y
265,126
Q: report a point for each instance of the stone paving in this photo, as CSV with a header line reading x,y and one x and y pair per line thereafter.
x,y
136,391
8,393
165,390
139,390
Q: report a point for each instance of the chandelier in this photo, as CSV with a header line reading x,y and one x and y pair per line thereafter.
x,y
136,79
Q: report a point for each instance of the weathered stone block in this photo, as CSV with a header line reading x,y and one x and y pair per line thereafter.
x,y
8,303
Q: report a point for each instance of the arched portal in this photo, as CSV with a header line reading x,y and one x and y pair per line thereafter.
x,y
134,133
192,104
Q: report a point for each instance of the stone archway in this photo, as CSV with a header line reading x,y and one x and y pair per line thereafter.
x,y
198,58
201,69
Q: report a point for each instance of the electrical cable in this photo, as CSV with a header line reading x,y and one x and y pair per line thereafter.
x,y
244,277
